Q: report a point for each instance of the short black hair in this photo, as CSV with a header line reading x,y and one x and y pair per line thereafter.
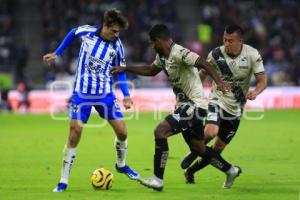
x,y
234,28
159,31
114,16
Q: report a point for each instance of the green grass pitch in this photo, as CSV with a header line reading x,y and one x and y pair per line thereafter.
x,y
268,151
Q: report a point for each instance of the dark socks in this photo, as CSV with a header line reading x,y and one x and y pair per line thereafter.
x,y
160,157
198,165
210,157
216,159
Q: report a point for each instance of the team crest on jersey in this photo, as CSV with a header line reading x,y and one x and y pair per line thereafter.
x,y
243,63
244,59
112,54
123,61
75,109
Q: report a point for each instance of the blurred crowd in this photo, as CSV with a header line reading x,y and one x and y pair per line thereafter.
x,y
13,56
59,17
6,34
273,27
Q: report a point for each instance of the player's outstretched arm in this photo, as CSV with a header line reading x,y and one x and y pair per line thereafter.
x,y
201,63
150,70
261,84
64,44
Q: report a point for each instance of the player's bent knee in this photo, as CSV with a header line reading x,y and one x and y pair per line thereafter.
x,y
161,131
158,133
122,135
197,147
211,131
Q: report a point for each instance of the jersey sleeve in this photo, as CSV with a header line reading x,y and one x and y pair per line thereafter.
x,y
72,35
211,61
122,80
84,30
157,62
257,63
120,58
69,38
188,57
210,58
120,61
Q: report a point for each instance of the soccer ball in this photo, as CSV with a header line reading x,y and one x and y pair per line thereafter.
x,y
102,179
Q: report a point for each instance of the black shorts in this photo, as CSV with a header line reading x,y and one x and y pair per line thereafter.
x,y
228,123
189,120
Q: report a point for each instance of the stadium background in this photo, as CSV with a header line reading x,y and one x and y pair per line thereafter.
x,y
29,29
266,148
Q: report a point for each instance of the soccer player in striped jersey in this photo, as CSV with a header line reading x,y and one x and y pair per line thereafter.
x,y
101,48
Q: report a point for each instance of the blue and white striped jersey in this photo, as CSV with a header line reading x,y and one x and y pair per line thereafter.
x,y
95,59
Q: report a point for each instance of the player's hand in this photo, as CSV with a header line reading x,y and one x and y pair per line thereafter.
x,y
116,69
127,102
223,87
49,57
251,95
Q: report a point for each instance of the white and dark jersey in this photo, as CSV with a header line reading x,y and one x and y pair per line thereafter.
x,y
95,59
183,76
242,67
